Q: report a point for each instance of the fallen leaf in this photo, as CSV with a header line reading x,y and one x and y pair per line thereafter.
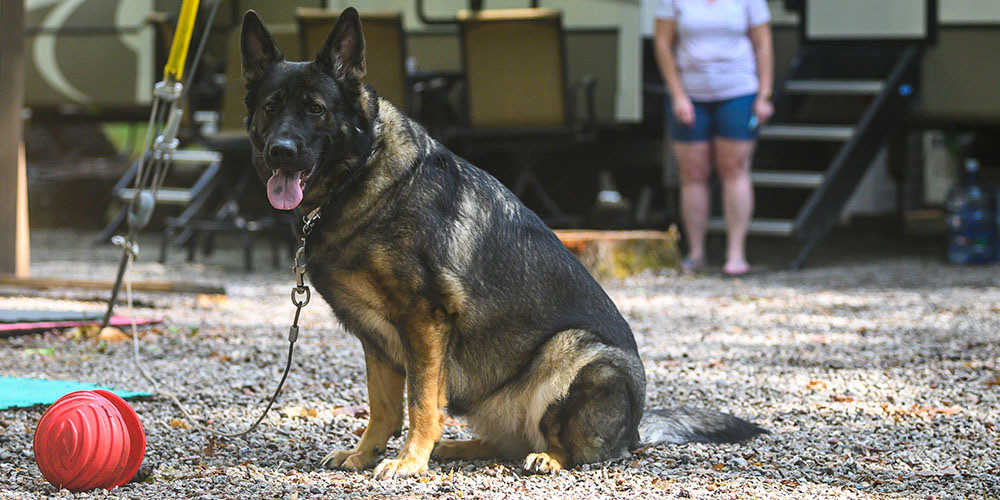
x,y
719,466
84,332
926,412
359,411
179,424
220,357
993,383
949,410
210,300
112,334
842,399
209,450
298,411
950,471
929,412
359,431
816,385
41,351
639,451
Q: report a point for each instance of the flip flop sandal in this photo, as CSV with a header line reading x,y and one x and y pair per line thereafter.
x,y
691,266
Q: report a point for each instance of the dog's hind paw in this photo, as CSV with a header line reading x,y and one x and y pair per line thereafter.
x,y
541,463
352,460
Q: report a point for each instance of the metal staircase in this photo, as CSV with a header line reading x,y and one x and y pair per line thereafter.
x,y
836,109
192,198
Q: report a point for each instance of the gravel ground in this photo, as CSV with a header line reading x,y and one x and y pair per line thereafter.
x,y
877,375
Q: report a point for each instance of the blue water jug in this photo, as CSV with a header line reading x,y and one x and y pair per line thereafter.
x,y
972,225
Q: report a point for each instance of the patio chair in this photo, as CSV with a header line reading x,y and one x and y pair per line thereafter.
x,y
517,97
385,48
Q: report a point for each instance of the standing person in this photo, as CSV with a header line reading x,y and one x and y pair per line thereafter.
x,y
717,60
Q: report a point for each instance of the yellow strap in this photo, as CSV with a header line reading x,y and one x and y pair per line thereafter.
x,y
182,39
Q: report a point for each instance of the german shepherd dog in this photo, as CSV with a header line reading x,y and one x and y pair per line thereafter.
x,y
456,290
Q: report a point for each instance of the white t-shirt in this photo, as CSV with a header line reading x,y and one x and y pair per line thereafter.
x,y
713,49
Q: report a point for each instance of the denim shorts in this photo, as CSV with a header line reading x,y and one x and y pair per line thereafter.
x,y
729,118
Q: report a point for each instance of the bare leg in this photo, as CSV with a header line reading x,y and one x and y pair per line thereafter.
x,y
694,160
733,164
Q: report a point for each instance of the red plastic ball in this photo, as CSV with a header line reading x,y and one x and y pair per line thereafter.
x,y
89,439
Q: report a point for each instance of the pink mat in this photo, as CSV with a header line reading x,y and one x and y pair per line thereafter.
x,y
8,329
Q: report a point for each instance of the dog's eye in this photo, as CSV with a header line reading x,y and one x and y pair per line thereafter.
x,y
316,109
269,107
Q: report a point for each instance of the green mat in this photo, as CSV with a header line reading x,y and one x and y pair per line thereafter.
x,y
18,392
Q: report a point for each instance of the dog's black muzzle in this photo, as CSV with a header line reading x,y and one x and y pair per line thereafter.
x,y
282,153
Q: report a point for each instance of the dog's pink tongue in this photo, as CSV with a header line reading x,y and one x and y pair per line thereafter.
x,y
283,190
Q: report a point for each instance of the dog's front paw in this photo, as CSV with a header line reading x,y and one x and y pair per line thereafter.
x,y
400,467
352,460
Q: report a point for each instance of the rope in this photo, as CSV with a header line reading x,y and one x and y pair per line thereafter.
x,y
158,166
151,174
182,37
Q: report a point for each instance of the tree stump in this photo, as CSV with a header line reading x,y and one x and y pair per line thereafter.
x,y
617,254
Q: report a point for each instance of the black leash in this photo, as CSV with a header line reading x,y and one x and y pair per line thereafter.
x,y
301,295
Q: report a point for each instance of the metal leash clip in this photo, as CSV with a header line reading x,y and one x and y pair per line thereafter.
x,y
132,248
300,267
308,222
301,289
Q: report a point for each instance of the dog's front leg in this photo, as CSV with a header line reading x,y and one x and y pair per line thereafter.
x,y
425,386
385,397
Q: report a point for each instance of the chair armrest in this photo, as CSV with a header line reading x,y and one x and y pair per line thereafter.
x,y
584,124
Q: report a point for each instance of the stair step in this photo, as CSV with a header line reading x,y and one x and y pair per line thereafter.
x,y
807,132
835,87
769,227
774,178
196,156
176,196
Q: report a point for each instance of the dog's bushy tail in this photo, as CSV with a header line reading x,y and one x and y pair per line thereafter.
x,y
694,425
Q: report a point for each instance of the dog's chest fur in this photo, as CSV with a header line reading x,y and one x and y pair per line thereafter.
x,y
362,261
365,311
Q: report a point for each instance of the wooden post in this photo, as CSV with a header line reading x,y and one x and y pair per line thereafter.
x,y
14,247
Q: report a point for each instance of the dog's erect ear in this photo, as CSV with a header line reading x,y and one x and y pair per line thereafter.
x,y
257,47
343,54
